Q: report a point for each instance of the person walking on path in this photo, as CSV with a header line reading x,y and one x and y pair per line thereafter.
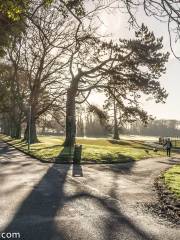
x,y
168,146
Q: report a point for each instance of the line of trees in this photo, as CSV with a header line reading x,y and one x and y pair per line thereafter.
x,y
59,58
161,127
89,125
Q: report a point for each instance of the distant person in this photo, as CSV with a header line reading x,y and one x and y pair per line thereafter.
x,y
168,146
160,140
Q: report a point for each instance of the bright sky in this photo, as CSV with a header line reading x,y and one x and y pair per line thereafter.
x,y
118,27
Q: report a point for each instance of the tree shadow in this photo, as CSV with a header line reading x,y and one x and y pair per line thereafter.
x,y
119,142
21,144
115,224
171,161
37,216
65,156
122,168
7,150
49,147
77,170
35,219
145,146
4,149
108,158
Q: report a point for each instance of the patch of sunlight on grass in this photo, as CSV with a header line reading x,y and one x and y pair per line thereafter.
x,y
98,150
172,179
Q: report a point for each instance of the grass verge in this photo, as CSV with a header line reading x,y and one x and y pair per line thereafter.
x,y
94,150
172,180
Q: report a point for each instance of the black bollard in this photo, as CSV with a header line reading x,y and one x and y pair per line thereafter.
x,y
77,154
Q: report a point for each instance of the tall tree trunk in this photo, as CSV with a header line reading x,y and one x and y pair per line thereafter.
x,y
26,133
43,129
11,128
116,128
33,132
12,122
18,131
18,127
5,127
15,128
70,118
31,129
71,111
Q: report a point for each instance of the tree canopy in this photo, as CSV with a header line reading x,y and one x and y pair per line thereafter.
x,y
60,55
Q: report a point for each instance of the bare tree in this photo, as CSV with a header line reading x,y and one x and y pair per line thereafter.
x,y
135,65
164,10
43,64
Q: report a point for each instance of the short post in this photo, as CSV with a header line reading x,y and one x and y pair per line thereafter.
x,y
77,154
29,129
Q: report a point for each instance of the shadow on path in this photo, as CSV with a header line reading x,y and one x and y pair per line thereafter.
x,y
36,218
77,170
171,161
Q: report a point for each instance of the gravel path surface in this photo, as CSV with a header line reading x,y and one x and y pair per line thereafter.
x,y
89,202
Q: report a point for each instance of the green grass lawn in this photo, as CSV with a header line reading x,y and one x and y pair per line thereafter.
x,y
172,179
96,150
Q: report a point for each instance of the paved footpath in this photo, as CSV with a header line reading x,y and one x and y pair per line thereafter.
x,y
89,202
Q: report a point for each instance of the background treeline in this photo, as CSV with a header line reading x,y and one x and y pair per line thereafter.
x,y
160,127
90,126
